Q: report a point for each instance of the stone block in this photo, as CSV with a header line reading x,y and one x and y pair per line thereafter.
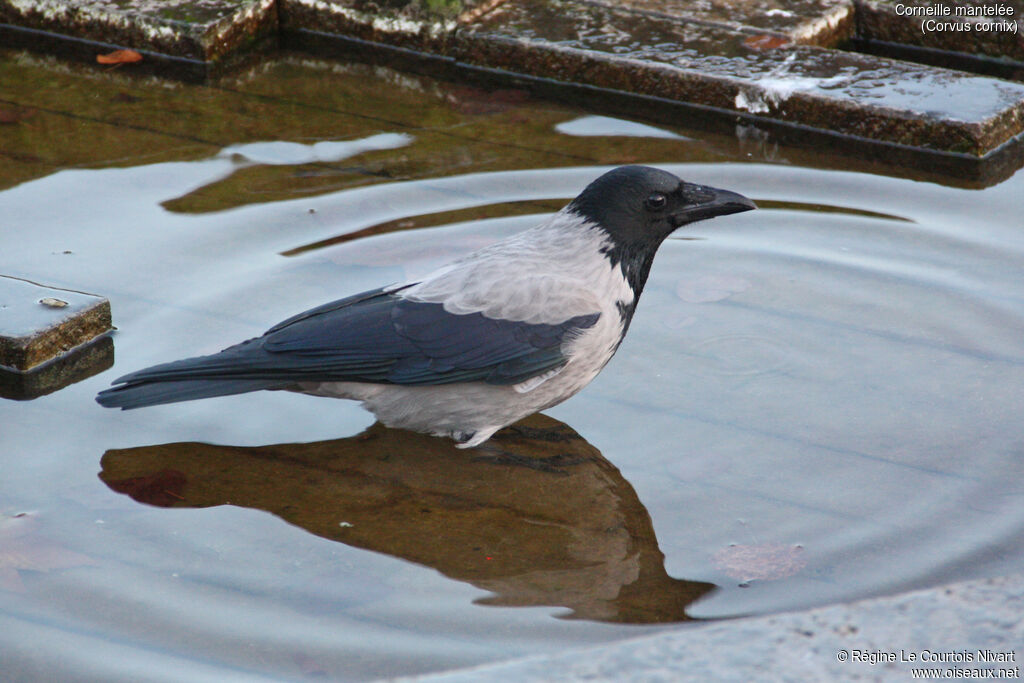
x,y
204,32
38,324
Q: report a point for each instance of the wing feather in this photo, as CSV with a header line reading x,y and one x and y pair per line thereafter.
x,y
379,337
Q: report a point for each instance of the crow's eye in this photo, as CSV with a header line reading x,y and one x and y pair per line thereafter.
x,y
655,201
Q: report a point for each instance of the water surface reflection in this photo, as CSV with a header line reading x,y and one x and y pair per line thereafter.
x,y
832,384
540,518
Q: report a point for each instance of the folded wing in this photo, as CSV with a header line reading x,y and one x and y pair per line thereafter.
x,y
376,336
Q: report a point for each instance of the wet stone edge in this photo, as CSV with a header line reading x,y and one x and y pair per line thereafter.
x,y
171,38
499,48
479,42
25,352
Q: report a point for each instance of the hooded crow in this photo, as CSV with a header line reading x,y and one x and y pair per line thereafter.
x,y
497,335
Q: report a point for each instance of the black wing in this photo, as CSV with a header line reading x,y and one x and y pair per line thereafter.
x,y
380,337
371,337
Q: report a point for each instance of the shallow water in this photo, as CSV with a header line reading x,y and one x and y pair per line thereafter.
x,y
818,401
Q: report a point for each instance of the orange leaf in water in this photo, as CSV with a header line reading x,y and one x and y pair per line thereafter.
x,y
119,57
761,562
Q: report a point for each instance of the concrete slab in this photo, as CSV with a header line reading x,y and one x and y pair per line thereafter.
x,y
825,23
965,630
351,20
753,59
41,323
201,31
406,24
856,95
745,63
78,364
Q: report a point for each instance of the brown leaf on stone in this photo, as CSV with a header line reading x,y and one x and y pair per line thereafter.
x,y
119,57
765,42
761,562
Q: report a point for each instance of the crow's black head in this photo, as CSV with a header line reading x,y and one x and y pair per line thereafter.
x,y
639,206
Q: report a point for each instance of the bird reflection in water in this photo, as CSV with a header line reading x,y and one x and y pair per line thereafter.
x,y
539,518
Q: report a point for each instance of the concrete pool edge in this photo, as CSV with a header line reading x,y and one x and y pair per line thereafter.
x,y
870,639
751,66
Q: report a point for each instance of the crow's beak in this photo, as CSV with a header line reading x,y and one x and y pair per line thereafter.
x,y
708,202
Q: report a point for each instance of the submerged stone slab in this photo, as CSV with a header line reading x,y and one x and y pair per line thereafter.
x,y
852,94
758,60
200,30
969,630
38,324
743,59
80,363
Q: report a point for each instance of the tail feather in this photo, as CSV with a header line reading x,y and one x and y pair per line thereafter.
x,y
234,370
151,393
